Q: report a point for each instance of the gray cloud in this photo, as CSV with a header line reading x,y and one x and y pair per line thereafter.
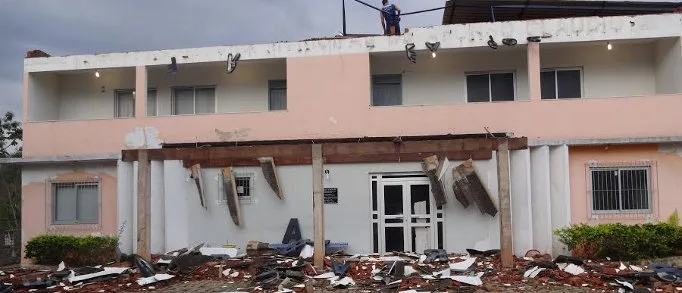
x,y
68,27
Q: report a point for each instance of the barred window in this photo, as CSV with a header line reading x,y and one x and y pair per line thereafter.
x,y
75,202
621,189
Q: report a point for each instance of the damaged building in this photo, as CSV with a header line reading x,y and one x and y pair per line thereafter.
x,y
481,133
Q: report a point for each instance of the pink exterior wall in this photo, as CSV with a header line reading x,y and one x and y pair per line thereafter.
x,y
36,208
666,174
329,97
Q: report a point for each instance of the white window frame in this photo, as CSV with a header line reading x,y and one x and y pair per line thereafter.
x,y
117,95
251,176
273,85
194,98
490,90
647,166
372,84
556,81
53,194
156,102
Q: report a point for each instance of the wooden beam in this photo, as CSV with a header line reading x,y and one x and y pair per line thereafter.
x,y
199,182
144,212
506,249
230,190
318,207
356,152
271,176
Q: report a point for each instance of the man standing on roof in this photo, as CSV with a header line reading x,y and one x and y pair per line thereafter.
x,y
390,18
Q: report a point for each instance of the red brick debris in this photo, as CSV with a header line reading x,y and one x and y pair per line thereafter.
x,y
267,271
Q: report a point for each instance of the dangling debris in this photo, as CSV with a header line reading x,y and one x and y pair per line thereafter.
x,y
230,190
469,189
435,168
271,175
196,175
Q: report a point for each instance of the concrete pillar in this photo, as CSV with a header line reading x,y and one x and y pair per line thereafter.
x,y
140,91
522,213
560,193
158,208
540,198
534,71
176,207
124,203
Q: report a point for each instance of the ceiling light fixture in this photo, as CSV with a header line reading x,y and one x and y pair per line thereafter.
x,y
433,47
97,74
609,46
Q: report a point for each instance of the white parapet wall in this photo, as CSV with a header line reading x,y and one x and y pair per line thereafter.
x,y
522,212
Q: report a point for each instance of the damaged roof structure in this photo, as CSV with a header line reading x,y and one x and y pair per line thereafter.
x,y
433,159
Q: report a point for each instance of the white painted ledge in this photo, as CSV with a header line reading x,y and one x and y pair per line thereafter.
x,y
60,159
605,141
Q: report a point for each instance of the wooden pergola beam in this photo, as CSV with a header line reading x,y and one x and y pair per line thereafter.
x,y
334,153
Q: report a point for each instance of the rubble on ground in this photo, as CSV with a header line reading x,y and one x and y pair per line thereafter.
x,y
265,269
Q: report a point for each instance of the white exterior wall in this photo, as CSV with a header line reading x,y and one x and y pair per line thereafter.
x,y
521,205
125,210
669,66
540,196
266,217
560,194
442,80
44,102
630,66
84,96
158,208
246,90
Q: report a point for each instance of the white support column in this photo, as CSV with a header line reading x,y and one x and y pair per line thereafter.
x,y
124,206
560,194
540,199
175,202
522,213
158,207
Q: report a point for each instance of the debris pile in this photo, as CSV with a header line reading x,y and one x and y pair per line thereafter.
x,y
266,269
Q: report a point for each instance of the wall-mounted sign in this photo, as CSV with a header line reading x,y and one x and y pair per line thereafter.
x,y
331,195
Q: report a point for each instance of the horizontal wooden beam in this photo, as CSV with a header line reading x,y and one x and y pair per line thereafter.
x,y
334,153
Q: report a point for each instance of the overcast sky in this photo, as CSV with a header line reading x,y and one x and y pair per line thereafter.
x,y
69,27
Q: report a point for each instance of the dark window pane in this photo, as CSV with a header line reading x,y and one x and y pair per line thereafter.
x,y
387,90
548,85
502,86
375,237
440,235
634,190
605,190
374,195
569,84
394,239
478,88
393,200
420,199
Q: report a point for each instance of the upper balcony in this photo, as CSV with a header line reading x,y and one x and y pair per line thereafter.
x,y
358,88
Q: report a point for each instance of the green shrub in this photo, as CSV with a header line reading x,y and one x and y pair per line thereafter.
x,y
73,250
674,218
624,242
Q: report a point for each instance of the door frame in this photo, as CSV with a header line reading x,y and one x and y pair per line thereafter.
x,y
436,216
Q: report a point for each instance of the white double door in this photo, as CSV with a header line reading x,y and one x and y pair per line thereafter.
x,y
408,218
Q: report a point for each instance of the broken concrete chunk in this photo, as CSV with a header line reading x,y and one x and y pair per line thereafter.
x,y
464,265
107,271
343,283
154,279
471,280
307,252
219,251
61,267
573,269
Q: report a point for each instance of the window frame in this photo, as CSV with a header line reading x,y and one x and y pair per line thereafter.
x,y
156,102
373,82
647,167
272,85
117,95
556,81
490,90
53,195
194,99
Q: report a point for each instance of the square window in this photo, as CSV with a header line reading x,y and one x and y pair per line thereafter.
x,y
75,203
193,100
561,84
387,90
620,189
124,104
487,87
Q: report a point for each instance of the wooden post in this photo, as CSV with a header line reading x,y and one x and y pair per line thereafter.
x,y
506,250
144,192
318,207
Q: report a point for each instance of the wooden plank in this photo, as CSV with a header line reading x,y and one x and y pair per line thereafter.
x,y
469,189
231,196
318,207
405,157
506,249
199,182
247,155
271,176
221,163
431,166
144,192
